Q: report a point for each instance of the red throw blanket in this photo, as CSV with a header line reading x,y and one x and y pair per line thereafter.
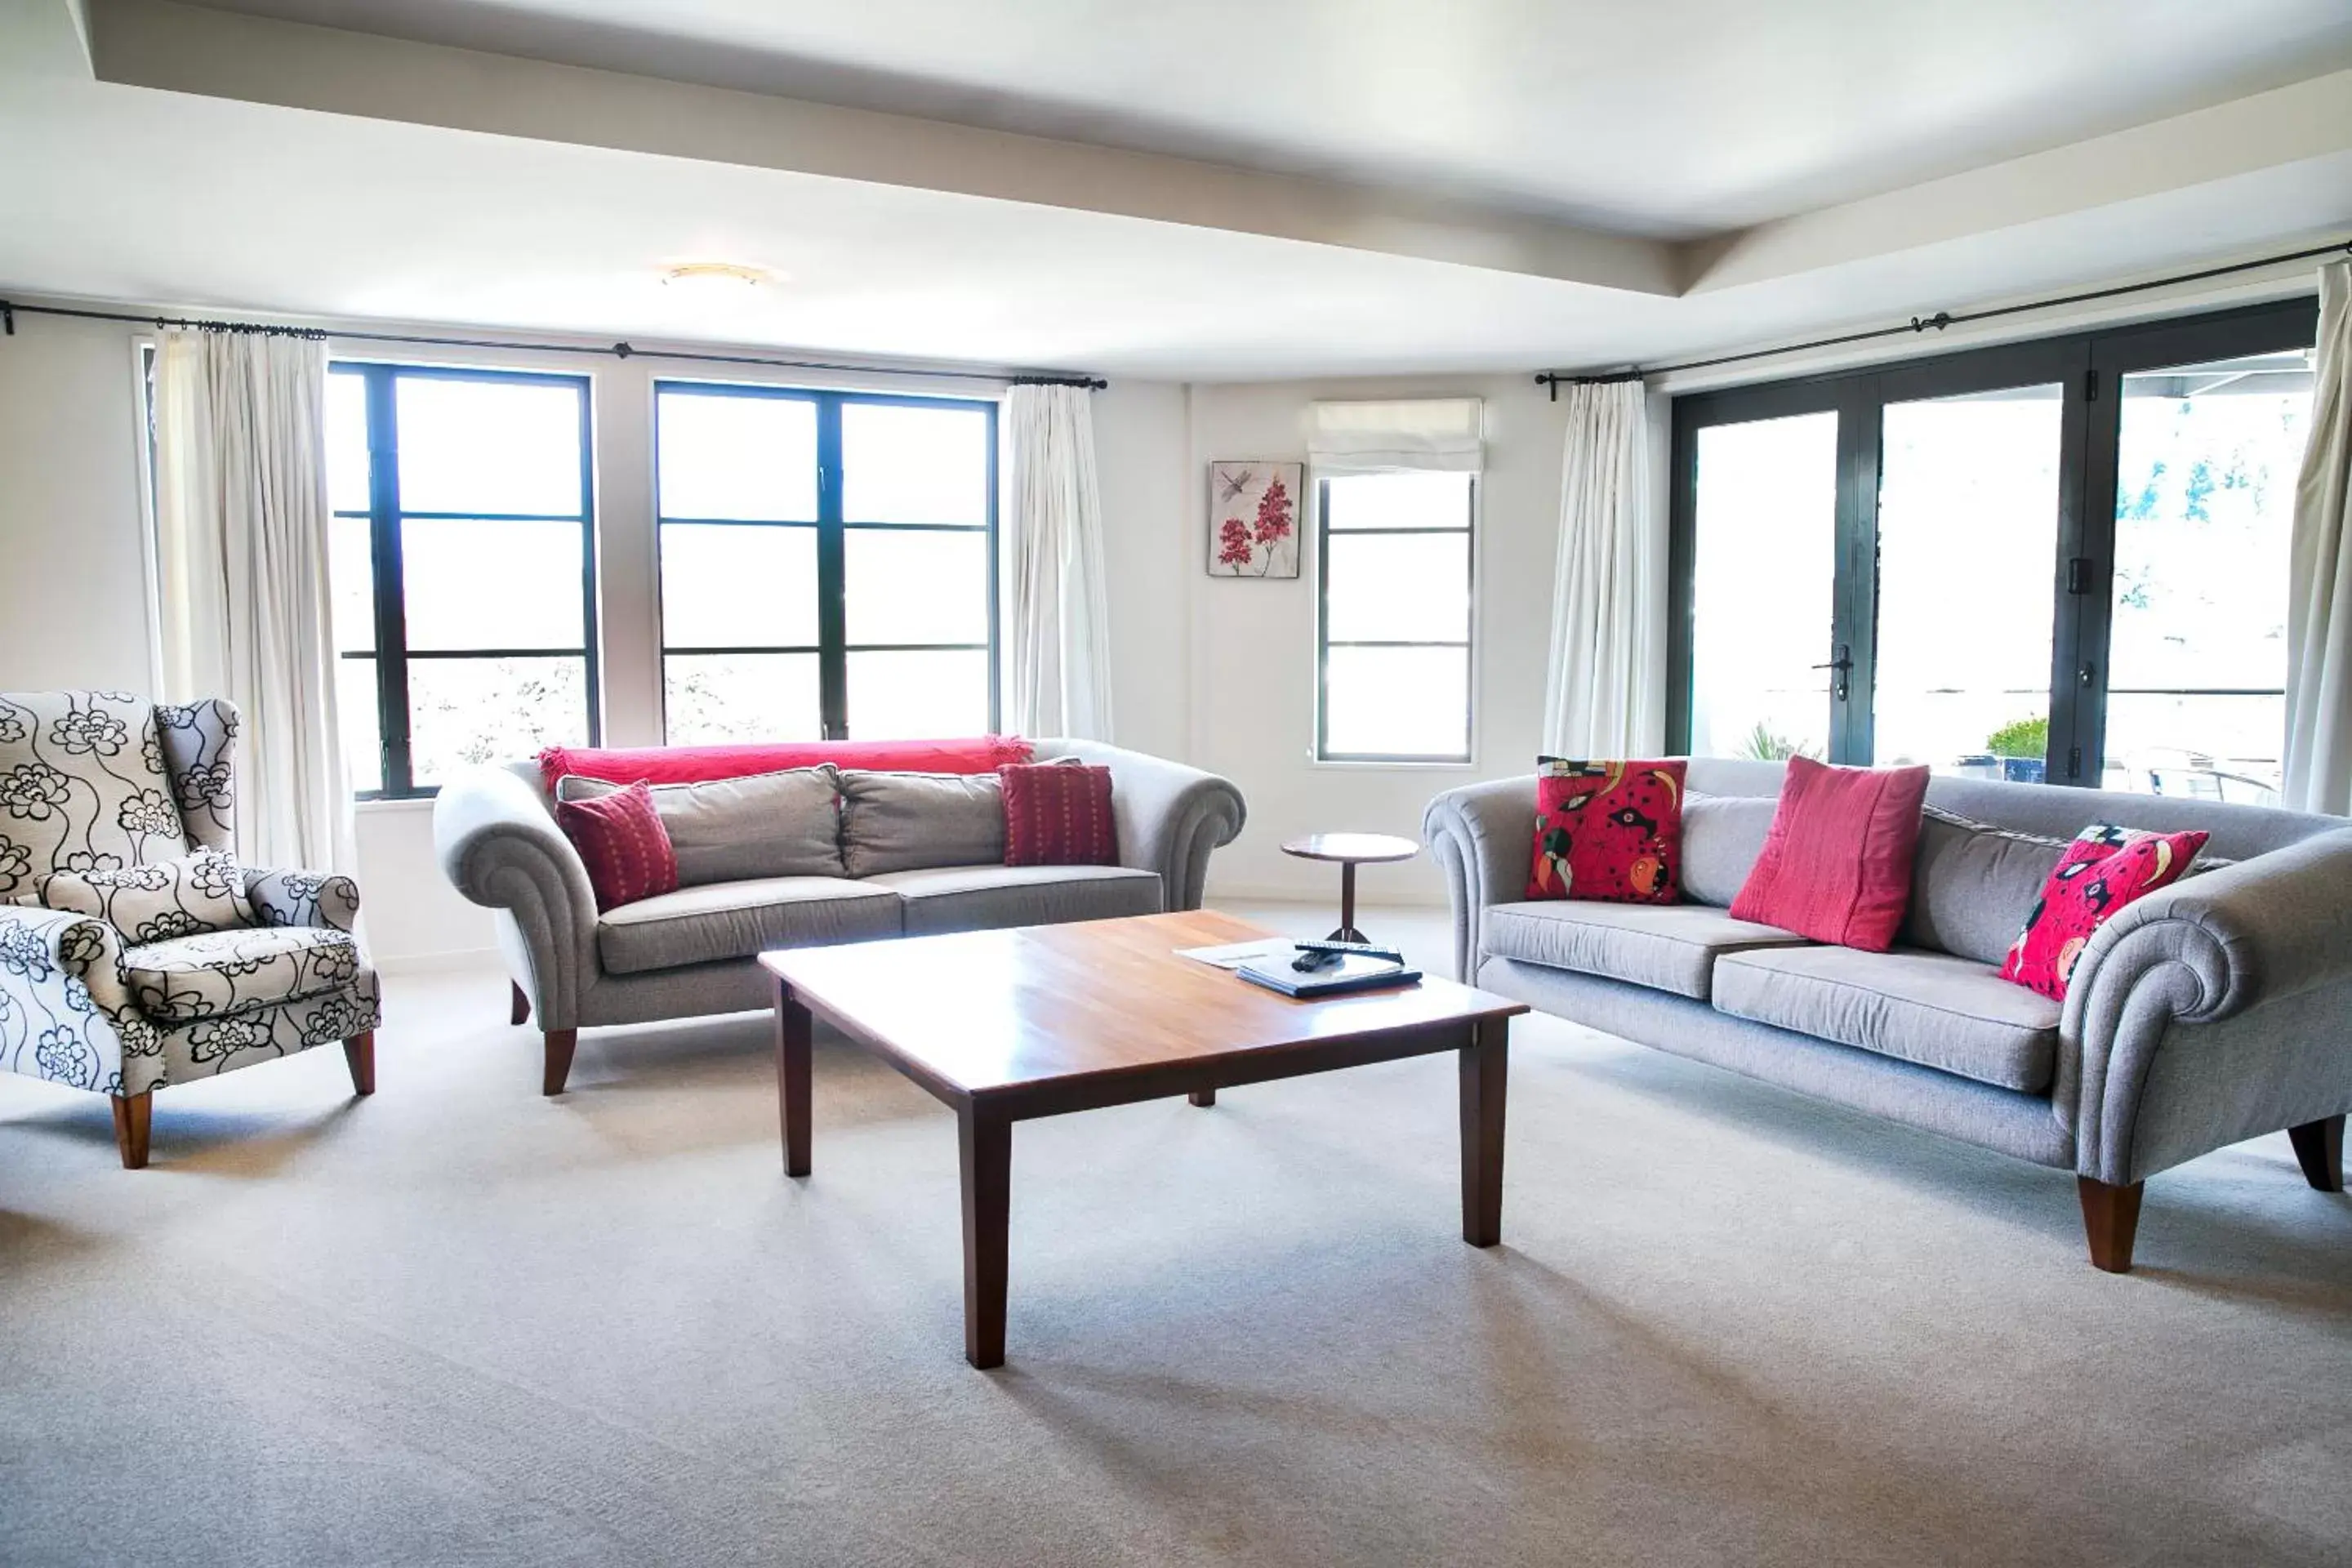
x,y
692,765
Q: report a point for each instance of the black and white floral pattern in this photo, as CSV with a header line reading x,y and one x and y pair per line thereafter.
x,y
81,789
198,744
158,900
66,1014
302,898
226,972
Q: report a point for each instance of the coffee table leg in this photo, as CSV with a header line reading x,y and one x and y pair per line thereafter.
x,y
986,1142
1204,1097
793,1078
1485,1064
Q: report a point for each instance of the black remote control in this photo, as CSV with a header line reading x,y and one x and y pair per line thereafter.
x,y
1314,955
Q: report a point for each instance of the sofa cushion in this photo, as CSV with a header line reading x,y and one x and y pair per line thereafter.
x,y
723,830
217,973
2104,869
902,822
1972,885
1668,947
1059,814
1932,1008
158,900
1610,831
979,898
736,920
1837,863
623,844
1722,836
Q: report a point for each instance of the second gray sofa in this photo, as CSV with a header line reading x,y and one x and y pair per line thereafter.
x,y
909,855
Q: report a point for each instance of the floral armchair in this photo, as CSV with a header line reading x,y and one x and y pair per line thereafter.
x,y
134,952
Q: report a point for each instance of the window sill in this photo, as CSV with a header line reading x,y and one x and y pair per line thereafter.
x,y
395,804
1347,764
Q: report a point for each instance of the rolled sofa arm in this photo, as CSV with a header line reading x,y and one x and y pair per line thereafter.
x,y
501,848
66,1014
2204,951
1169,816
1482,836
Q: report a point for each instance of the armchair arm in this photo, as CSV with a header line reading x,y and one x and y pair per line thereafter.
x,y
324,898
66,1014
1169,816
2228,944
501,848
1482,836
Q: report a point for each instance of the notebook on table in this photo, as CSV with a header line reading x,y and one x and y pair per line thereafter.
x,y
1353,972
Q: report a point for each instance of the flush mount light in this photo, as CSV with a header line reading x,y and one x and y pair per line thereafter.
x,y
716,272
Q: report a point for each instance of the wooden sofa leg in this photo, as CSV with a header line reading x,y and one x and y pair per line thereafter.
x,y
131,1120
2320,1146
560,1045
521,1014
359,1055
2110,1220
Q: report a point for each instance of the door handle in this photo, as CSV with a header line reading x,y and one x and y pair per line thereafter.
x,y
1843,664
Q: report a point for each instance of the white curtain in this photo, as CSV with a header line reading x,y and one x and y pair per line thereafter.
x,y
241,526
1061,629
1606,673
2319,605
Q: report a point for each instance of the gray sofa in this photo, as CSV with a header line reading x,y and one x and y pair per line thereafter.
x,y
2217,1009
904,863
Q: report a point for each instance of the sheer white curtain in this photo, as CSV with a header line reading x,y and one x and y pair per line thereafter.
x,y
1060,664
2319,608
1604,682
241,526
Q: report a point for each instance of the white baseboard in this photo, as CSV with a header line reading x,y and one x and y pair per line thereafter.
x,y
440,963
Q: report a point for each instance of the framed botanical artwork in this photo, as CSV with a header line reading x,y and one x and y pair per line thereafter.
x,y
1254,518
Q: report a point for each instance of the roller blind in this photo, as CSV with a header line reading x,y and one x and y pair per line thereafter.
x,y
1436,435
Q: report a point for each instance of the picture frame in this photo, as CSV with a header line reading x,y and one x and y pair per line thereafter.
x,y
1255,511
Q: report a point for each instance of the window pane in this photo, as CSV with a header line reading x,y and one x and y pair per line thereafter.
x,y
1968,538
1764,572
902,464
357,716
716,699
347,446
1400,501
473,445
917,696
466,711
724,456
492,585
350,576
1401,587
925,586
1397,702
732,586
2206,458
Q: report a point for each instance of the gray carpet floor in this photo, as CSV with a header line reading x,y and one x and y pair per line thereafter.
x,y
459,1323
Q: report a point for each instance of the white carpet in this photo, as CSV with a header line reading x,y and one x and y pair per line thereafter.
x,y
459,1323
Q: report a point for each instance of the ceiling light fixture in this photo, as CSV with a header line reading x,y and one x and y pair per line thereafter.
x,y
708,272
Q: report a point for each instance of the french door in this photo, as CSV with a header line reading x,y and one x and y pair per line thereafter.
x,y
2060,561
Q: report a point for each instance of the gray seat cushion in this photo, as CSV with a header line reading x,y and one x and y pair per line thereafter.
x,y
906,822
736,920
1932,1008
784,824
1972,885
977,898
1722,837
1668,947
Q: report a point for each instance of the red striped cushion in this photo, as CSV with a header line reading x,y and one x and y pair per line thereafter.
x,y
1058,814
1836,865
622,840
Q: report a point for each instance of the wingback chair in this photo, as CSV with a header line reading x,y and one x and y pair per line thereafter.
x,y
154,987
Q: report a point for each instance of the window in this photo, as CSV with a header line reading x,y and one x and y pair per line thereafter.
x,y
1395,555
2062,560
828,564
464,569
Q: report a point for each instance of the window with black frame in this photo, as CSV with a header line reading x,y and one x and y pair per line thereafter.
x,y
463,566
2062,560
1396,565
828,564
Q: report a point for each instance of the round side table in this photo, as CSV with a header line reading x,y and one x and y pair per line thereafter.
x,y
1351,850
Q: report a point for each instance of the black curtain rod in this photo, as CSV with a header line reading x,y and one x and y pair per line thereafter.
x,y
1555,380
10,310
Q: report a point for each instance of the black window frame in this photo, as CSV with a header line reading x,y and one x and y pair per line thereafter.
x,y
1324,642
2089,366
832,648
385,520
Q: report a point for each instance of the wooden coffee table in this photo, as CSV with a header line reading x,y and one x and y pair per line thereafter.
x,y
1003,1026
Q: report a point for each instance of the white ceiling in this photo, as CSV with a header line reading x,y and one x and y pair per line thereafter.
x,y
1671,118
388,211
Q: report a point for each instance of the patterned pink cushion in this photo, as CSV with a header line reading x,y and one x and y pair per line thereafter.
x,y
621,838
1058,814
1836,865
2104,869
1611,832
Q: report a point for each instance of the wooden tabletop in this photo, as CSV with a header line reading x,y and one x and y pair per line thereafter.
x,y
1360,847
986,1012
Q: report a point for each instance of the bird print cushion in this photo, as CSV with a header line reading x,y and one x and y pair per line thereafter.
x,y
2104,869
1608,831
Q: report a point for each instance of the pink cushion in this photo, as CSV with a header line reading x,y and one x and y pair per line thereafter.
x,y
694,764
1058,814
2104,869
622,841
1836,865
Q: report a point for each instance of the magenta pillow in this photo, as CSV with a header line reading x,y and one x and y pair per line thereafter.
x,y
2104,869
1836,865
1058,814
622,840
